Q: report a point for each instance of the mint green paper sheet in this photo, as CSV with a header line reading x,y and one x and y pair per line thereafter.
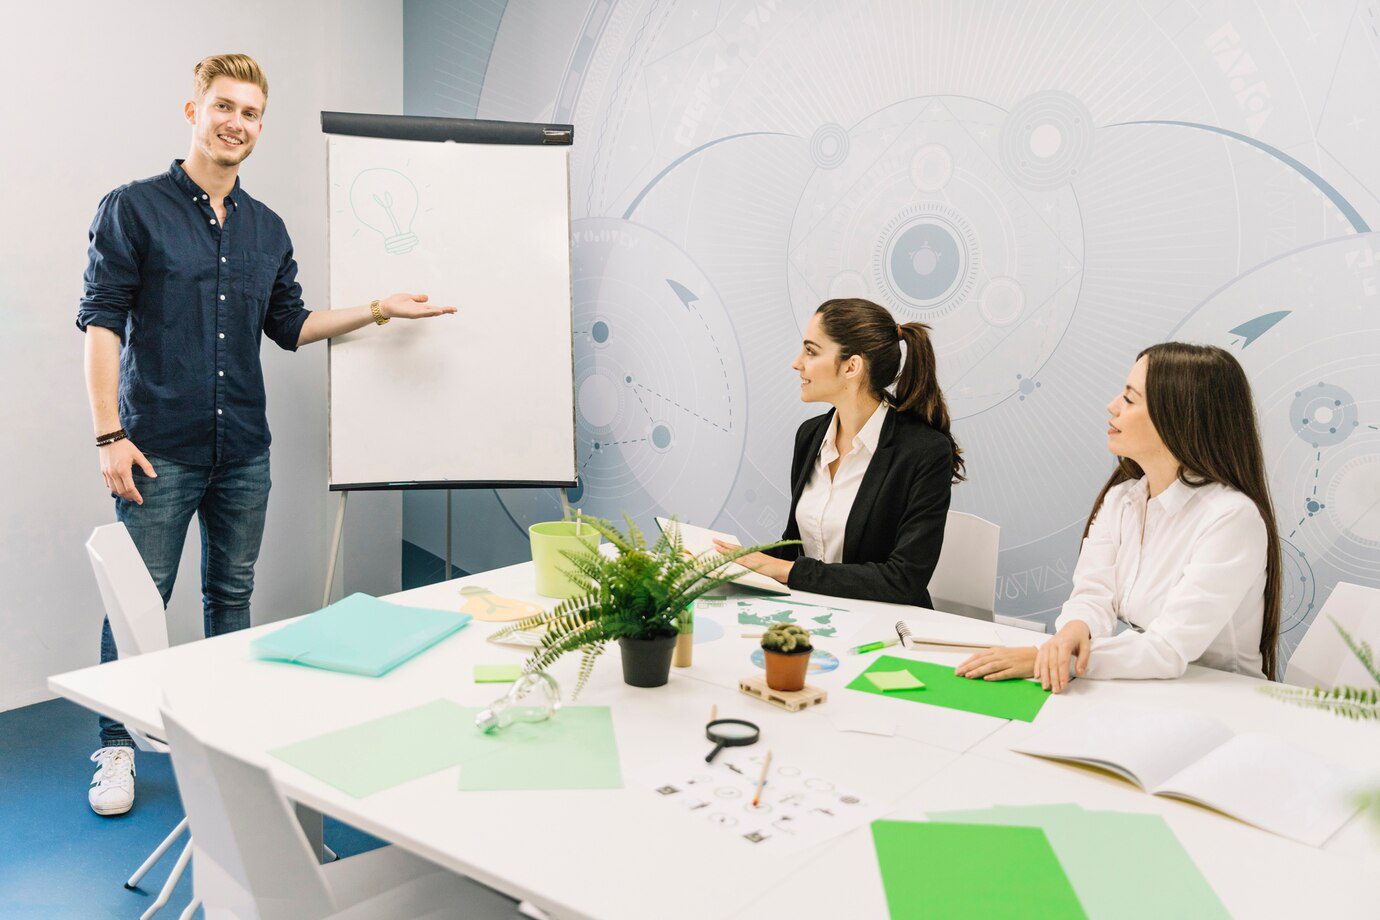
x,y
1121,865
932,869
388,751
575,750
1005,699
358,634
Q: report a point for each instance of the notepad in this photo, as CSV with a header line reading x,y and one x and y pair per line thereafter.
x,y
894,680
932,869
940,686
497,673
358,635
1253,777
697,540
1092,846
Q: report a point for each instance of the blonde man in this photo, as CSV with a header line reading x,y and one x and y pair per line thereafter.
x,y
186,274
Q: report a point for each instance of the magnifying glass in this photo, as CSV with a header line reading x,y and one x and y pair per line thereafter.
x,y
729,733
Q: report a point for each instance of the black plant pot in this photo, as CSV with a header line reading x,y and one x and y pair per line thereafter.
x,y
647,662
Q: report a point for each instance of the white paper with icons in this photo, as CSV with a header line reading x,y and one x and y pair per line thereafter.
x,y
485,395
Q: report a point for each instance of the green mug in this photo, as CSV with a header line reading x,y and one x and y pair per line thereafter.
x,y
549,539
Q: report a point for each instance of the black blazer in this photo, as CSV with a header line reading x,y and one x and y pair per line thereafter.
x,y
896,526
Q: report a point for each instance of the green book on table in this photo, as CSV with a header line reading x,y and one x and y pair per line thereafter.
x,y
359,635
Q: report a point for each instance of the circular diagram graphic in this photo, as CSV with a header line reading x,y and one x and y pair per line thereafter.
x,y
1323,415
943,234
658,383
1046,140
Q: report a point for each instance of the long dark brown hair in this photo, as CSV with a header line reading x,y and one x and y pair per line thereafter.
x,y
866,329
1200,403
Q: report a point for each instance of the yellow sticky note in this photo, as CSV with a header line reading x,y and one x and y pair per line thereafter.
x,y
895,680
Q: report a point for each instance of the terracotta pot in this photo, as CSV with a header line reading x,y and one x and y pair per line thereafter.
x,y
786,670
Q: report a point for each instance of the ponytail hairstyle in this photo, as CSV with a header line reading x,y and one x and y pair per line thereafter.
x,y
863,328
1200,403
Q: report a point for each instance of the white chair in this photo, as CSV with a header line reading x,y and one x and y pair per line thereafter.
x,y
254,863
1322,658
965,578
139,625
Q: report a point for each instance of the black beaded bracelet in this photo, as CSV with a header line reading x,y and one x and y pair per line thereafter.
x,y
106,439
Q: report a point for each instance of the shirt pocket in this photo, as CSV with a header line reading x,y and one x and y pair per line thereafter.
x,y
258,271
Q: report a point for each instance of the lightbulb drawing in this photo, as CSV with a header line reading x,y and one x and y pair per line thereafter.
x,y
385,201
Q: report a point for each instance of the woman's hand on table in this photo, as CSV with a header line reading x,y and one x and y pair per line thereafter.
x,y
999,663
1072,643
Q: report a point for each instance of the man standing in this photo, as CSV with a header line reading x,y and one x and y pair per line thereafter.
x,y
186,272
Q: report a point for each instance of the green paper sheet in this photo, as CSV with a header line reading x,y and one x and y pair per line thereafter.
x,y
575,750
899,679
388,751
971,870
1121,865
1005,699
497,673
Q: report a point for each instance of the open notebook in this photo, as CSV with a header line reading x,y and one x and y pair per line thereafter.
x,y
1253,777
698,540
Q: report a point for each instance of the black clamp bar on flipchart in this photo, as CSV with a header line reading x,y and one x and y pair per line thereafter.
x,y
460,130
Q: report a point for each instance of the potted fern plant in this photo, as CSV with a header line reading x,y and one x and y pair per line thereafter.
x,y
637,597
786,649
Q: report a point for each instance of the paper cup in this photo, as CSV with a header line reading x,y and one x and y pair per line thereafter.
x,y
549,540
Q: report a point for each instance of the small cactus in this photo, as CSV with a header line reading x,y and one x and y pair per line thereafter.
x,y
786,638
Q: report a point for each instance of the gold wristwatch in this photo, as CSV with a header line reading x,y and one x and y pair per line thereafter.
x,y
379,318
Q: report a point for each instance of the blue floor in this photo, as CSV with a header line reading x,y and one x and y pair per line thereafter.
x,y
58,859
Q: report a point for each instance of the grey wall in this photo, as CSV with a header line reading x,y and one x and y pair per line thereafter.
x,y
93,99
1053,185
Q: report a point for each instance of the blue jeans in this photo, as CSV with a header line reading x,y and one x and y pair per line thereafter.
x,y
230,500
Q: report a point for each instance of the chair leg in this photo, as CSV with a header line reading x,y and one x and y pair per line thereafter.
x,y
156,855
170,884
190,909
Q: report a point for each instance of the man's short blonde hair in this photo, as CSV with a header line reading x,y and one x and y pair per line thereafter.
x,y
240,67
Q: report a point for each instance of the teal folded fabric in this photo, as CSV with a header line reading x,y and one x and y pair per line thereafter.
x,y
359,635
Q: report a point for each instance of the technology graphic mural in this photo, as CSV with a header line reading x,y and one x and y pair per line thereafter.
x,y
1051,186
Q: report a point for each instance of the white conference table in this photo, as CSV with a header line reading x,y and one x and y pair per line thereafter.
x,y
623,853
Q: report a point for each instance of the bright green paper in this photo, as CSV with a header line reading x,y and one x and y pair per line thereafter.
x,y
358,634
1004,699
386,752
894,680
497,673
1160,881
575,749
971,870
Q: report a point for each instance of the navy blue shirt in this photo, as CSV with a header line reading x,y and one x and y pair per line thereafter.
x,y
190,300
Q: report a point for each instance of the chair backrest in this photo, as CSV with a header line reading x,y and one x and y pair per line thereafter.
x,y
965,578
252,861
132,601
1322,658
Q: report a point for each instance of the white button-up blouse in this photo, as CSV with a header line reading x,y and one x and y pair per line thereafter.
x,y
1186,570
822,512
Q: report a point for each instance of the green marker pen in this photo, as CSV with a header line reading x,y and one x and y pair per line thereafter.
x,y
873,646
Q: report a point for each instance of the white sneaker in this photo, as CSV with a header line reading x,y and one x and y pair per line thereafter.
x,y
112,786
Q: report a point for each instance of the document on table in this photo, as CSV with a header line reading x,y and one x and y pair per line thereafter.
x,y
1253,777
576,749
757,614
358,635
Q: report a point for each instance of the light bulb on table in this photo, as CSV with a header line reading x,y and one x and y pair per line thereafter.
x,y
533,697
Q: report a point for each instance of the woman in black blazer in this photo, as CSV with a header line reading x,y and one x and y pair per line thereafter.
x,y
870,479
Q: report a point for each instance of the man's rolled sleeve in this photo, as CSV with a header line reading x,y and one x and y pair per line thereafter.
x,y
285,316
112,278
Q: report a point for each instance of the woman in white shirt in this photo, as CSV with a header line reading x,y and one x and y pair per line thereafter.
x,y
870,479
1181,544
